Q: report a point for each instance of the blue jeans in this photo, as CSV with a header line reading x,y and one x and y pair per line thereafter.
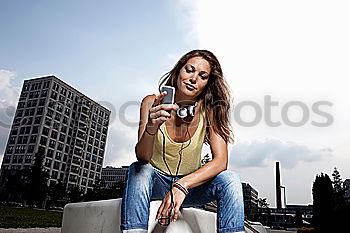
x,y
145,184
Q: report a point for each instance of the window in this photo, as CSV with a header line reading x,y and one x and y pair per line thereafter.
x,y
35,129
52,143
12,140
99,161
58,156
62,137
59,107
63,167
50,153
43,93
39,111
54,174
48,162
26,87
21,104
46,131
37,120
60,147
58,116
64,129
56,165
46,84
10,149
67,111
30,149
41,102
54,95
33,139
50,112
27,130
43,141
47,121
54,134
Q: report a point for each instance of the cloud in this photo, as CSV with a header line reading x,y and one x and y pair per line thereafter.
x,y
120,146
261,153
8,101
8,92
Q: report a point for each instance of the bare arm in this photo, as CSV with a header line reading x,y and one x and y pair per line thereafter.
x,y
152,115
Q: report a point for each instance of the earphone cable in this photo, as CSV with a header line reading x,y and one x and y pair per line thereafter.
x,y
178,166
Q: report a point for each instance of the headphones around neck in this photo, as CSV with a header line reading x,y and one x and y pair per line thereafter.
x,y
186,110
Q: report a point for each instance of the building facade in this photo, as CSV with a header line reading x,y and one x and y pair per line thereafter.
x,y
112,175
250,196
68,126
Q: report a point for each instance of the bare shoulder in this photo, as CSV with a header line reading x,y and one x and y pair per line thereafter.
x,y
148,100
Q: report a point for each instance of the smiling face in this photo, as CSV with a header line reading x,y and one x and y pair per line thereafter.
x,y
192,79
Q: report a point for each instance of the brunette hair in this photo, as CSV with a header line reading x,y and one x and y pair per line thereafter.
x,y
216,95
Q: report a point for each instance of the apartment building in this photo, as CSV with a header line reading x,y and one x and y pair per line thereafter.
x,y
67,125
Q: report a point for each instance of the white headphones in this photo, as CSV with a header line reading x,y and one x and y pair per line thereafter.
x,y
186,110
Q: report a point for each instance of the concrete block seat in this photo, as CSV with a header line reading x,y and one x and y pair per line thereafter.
x,y
104,217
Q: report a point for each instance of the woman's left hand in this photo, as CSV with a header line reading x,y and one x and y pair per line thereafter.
x,y
164,209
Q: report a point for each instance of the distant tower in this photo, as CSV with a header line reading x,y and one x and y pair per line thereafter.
x,y
278,186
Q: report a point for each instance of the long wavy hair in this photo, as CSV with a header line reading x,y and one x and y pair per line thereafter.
x,y
216,95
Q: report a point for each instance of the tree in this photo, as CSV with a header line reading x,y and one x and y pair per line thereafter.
x,y
100,192
322,191
341,209
36,186
75,194
57,192
264,211
339,190
13,185
262,203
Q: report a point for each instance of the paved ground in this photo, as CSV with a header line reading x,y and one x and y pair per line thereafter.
x,y
30,230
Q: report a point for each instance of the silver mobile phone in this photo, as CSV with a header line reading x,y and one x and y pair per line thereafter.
x,y
169,98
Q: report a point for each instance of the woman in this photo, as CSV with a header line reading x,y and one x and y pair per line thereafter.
x,y
169,149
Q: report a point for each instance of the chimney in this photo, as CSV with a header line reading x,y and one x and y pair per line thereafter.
x,y
278,187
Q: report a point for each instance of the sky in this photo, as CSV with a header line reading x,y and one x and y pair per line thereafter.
x,y
287,64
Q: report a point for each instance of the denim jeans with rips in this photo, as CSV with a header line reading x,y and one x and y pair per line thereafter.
x,y
145,184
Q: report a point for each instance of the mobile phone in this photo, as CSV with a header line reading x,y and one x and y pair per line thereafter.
x,y
169,98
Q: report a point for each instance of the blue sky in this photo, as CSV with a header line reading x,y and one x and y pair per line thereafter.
x,y
116,51
91,45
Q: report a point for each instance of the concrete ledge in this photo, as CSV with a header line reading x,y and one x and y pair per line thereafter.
x,y
104,216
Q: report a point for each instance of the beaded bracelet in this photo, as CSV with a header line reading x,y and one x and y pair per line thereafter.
x,y
152,134
181,188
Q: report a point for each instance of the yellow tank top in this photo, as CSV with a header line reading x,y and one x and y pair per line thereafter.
x,y
191,154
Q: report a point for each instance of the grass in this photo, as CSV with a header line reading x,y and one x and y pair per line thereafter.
x,y
19,217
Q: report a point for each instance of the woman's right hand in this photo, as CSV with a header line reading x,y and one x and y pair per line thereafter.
x,y
158,114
